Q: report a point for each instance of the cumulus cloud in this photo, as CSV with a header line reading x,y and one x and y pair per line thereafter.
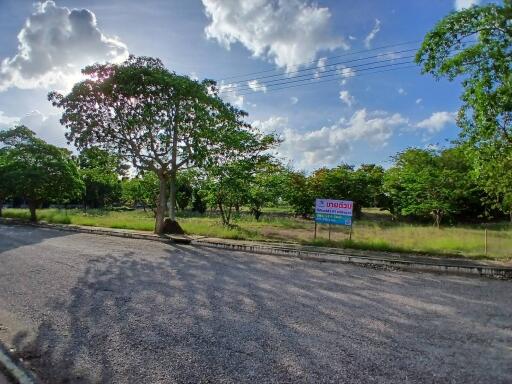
x,y
330,145
7,121
436,122
289,33
294,100
368,39
256,86
54,45
419,101
229,92
347,98
463,4
46,127
402,91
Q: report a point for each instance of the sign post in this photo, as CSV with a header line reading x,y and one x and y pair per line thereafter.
x,y
339,212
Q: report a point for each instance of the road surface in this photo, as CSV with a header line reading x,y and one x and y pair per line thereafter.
x,y
85,308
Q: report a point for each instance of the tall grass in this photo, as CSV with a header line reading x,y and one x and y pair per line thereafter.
x,y
380,234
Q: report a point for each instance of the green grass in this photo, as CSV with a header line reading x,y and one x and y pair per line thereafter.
x,y
375,232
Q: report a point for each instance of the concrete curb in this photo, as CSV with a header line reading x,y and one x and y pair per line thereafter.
x,y
14,368
500,272
332,255
101,231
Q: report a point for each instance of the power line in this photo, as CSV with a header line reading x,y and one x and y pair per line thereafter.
x,y
335,77
269,83
323,68
327,58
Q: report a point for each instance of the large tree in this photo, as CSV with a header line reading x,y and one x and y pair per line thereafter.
x,y
157,120
475,45
37,171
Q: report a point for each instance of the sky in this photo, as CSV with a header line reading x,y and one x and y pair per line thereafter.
x,y
323,75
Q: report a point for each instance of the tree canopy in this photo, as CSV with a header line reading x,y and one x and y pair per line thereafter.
x,y
37,171
157,120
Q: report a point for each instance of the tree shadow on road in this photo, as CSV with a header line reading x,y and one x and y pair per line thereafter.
x,y
189,314
14,236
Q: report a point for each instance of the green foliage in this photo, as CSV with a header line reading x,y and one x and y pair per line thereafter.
x,y
266,187
142,190
475,45
426,183
100,172
298,193
37,171
492,171
154,119
226,186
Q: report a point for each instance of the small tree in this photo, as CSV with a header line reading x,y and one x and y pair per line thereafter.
x,y
142,190
155,119
298,193
37,171
426,183
266,187
226,186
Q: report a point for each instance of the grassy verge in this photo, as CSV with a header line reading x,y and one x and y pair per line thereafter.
x,y
376,232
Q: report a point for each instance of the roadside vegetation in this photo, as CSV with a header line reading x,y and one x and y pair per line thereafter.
x,y
177,156
375,231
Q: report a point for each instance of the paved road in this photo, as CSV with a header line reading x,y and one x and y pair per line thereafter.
x,y
95,309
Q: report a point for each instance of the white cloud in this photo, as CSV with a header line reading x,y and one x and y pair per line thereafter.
x,y
7,121
256,86
330,145
289,32
368,39
419,101
320,67
345,73
54,45
46,127
229,92
463,4
402,91
436,122
294,100
347,98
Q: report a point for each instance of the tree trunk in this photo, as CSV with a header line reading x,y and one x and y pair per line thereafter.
x,y
172,196
32,207
174,161
161,205
222,215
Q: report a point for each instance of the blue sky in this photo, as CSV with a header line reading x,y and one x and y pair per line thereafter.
x,y
354,119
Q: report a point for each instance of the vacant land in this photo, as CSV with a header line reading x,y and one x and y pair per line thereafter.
x,y
374,231
82,308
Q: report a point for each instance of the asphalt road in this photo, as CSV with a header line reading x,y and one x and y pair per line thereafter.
x,y
96,309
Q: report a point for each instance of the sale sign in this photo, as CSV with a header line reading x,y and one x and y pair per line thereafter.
x,y
330,211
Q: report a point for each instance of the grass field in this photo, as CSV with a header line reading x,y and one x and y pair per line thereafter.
x,y
374,231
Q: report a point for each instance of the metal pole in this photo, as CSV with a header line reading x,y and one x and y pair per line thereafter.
x,y
350,232
315,230
485,241
329,231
